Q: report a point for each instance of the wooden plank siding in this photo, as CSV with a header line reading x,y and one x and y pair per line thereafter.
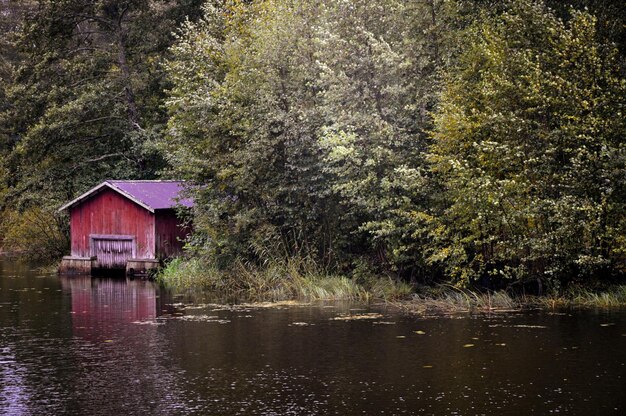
x,y
169,234
110,213
112,251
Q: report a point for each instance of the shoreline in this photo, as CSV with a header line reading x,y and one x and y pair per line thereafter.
x,y
294,283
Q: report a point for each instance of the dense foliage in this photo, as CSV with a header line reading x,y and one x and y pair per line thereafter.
x,y
473,141
82,101
529,147
308,122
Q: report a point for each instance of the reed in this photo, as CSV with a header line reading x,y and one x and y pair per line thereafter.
x,y
292,279
302,279
447,299
580,297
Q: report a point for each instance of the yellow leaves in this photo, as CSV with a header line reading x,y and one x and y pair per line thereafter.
x,y
357,317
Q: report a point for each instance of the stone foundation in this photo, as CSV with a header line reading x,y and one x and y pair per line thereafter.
x,y
77,265
89,265
140,267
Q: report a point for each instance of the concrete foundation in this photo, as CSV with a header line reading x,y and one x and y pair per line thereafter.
x,y
77,265
140,267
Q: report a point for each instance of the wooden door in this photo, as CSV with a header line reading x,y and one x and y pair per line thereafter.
x,y
112,251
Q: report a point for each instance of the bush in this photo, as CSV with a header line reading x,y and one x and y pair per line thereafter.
x,y
37,233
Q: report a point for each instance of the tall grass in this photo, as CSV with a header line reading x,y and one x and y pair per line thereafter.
x,y
578,296
295,278
301,279
446,299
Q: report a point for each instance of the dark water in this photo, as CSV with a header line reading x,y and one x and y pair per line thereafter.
x,y
117,347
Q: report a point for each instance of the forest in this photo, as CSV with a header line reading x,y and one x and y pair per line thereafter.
x,y
471,142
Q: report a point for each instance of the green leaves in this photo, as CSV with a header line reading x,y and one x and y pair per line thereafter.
x,y
311,127
307,120
397,137
518,143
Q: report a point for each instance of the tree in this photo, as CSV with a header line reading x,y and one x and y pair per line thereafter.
x,y
529,149
381,72
305,126
85,100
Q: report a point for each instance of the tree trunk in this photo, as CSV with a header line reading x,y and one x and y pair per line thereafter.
x,y
133,113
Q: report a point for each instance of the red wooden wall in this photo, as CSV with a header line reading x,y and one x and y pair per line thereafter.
x,y
110,213
168,233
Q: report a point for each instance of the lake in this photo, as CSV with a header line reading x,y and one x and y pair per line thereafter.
x,y
77,345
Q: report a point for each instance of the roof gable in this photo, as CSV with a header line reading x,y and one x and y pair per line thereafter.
x,y
151,195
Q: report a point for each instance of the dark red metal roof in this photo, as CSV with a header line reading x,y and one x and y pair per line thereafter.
x,y
151,195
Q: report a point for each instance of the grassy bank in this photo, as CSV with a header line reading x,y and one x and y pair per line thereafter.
x,y
300,279
294,279
450,300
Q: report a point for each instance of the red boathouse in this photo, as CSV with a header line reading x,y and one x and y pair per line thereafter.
x,y
125,225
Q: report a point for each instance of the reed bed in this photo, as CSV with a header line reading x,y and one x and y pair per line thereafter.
x,y
446,299
294,279
301,279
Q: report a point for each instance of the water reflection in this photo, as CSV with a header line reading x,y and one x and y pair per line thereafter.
x,y
14,396
102,306
82,346
103,346
119,348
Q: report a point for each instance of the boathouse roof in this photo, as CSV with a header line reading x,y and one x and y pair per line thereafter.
x,y
151,195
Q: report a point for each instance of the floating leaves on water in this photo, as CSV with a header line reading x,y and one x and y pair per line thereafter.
x,y
202,318
502,344
517,326
468,345
229,308
400,336
108,340
199,306
427,366
357,317
278,305
420,332
608,324
249,307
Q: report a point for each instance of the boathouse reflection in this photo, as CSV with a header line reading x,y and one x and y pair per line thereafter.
x,y
102,305
119,347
